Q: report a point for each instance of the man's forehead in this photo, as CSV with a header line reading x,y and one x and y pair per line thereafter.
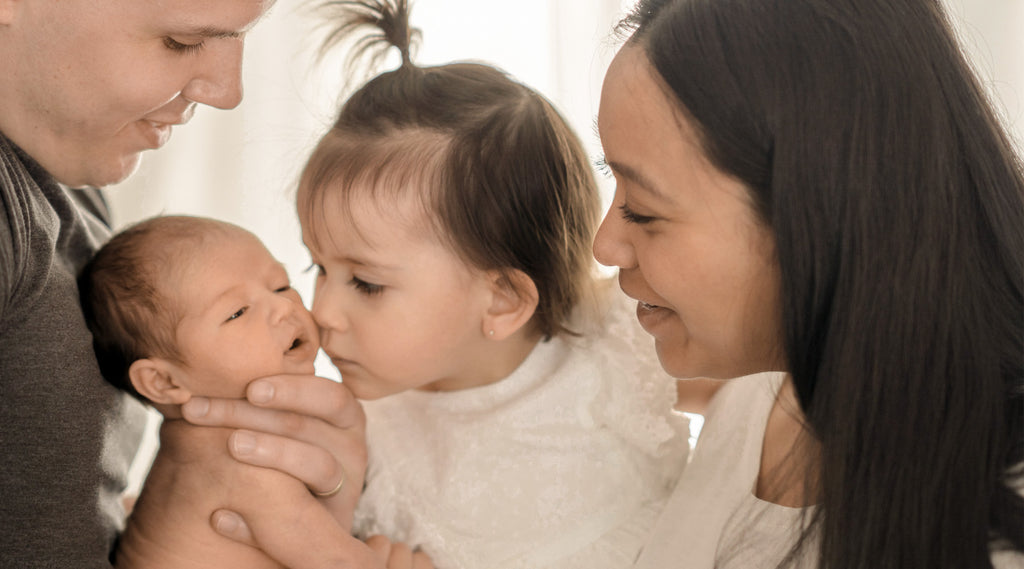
x,y
200,18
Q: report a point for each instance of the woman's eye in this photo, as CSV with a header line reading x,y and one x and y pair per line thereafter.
x,y
366,288
237,314
184,48
632,217
602,167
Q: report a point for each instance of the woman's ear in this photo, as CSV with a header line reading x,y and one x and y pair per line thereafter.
x,y
513,301
155,379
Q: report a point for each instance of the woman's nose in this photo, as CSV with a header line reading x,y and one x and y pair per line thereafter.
x,y
611,248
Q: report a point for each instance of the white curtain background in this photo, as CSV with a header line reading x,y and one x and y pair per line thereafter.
x,y
242,165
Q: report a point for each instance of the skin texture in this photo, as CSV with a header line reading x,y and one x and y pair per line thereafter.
x,y
100,82
387,286
687,242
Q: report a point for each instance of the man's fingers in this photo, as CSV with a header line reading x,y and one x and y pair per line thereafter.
x,y
381,547
308,395
308,427
314,466
398,555
420,560
232,526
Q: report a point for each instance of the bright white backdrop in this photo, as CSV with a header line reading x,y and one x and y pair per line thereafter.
x,y
241,165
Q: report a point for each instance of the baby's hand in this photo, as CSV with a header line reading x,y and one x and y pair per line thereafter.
x,y
309,427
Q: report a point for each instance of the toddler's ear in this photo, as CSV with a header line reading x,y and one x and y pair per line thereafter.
x,y
513,301
154,379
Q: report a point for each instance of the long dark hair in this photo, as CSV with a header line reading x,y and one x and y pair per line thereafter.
x,y
897,206
505,178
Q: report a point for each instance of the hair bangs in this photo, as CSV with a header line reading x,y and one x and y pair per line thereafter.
x,y
384,169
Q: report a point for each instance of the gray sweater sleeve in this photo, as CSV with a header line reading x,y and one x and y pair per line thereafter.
x,y
67,437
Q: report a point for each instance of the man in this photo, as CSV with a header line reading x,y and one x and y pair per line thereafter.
x,y
87,86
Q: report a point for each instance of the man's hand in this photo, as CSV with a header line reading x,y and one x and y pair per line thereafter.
x,y
309,427
322,549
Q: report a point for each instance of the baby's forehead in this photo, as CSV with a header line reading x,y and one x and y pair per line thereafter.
x,y
180,257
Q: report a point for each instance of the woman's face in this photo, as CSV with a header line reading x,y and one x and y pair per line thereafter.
x,y
688,244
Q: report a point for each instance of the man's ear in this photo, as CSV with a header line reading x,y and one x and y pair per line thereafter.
x,y
156,380
513,302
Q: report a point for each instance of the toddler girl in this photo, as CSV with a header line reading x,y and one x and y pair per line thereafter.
x,y
516,415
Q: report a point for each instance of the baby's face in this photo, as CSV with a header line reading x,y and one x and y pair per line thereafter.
x,y
242,320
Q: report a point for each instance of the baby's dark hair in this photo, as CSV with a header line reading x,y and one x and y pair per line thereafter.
x,y
506,179
122,293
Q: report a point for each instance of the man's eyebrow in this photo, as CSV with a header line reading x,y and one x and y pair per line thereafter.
x,y
211,32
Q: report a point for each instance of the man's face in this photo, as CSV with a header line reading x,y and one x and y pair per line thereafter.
x,y
89,84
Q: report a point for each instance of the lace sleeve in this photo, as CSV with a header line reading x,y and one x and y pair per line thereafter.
x,y
637,396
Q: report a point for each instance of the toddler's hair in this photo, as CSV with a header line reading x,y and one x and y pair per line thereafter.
x,y
123,291
503,177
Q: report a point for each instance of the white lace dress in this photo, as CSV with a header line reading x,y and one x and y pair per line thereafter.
x,y
565,463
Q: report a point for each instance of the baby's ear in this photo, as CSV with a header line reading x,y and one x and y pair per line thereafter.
x,y
154,379
513,301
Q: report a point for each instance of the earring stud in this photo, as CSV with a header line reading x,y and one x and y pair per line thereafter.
x,y
490,332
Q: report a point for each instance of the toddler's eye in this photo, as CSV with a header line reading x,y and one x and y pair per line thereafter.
x,y
237,314
632,217
366,288
284,288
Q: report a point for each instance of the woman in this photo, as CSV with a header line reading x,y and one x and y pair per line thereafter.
x,y
820,188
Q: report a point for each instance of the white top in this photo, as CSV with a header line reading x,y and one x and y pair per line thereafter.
x,y
565,463
713,519
710,511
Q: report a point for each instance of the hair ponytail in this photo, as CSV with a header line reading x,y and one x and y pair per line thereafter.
x,y
372,26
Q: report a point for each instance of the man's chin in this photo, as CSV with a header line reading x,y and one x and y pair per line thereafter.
x,y
99,175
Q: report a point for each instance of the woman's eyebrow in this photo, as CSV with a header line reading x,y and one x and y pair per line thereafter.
x,y
637,177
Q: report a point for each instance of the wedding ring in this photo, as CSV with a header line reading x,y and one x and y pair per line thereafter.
x,y
330,493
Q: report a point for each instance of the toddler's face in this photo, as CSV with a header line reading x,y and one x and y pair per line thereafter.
x,y
242,320
397,310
